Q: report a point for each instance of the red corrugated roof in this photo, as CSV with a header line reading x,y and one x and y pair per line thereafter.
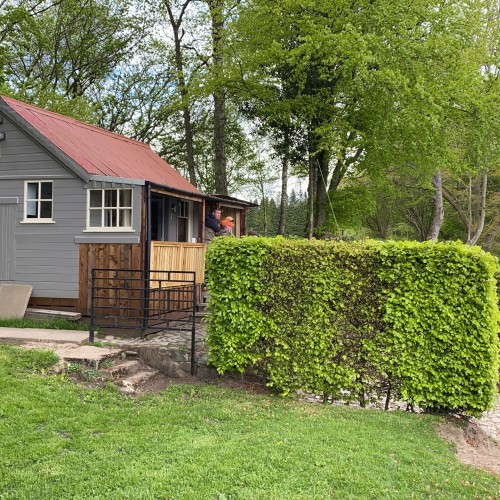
x,y
100,152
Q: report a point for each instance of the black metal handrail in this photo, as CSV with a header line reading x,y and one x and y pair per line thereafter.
x,y
141,299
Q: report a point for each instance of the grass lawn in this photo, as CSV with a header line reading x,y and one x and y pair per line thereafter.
x,y
52,324
59,440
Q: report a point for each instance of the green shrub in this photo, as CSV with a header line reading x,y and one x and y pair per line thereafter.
x,y
416,321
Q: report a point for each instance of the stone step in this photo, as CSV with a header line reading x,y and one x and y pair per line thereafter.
x,y
89,355
130,384
200,316
124,368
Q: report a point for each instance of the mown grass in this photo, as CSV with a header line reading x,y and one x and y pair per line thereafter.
x,y
52,324
203,442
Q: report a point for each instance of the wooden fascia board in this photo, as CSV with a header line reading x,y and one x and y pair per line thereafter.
x,y
177,194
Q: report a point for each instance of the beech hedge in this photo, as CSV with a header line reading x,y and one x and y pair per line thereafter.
x,y
405,321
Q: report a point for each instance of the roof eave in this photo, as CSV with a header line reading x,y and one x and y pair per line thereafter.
x,y
164,187
45,143
122,180
230,199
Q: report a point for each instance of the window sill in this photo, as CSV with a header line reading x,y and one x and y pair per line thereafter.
x,y
109,230
37,221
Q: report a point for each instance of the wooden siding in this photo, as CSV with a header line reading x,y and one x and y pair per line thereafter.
x,y
52,303
104,256
46,255
173,256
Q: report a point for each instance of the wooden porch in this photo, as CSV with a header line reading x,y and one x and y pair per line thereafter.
x,y
164,256
173,256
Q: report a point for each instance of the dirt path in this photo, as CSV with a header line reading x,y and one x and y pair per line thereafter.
x,y
474,447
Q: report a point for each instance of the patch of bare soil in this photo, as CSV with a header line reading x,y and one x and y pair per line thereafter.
x,y
474,447
160,381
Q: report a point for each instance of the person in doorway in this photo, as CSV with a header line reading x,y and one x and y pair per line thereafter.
x,y
212,225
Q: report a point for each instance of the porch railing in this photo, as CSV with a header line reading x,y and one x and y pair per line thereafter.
x,y
188,257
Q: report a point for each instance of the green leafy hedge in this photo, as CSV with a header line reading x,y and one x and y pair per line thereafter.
x,y
406,320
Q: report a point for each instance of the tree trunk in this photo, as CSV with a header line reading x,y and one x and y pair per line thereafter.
x,y
311,196
284,194
438,216
186,113
322,160
482,211
219,96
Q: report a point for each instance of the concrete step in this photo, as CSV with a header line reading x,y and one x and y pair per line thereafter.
x,y
27,336
32,313
14,300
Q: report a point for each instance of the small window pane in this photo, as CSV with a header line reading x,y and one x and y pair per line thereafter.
x,y
110,198
31,209
46,189
110,218
126,218
46,209
95,219
183,209
96,198
32,191
126,198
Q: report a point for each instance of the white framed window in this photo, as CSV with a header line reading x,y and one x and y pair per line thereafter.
x,y
183,218
184,209
38,201
109,209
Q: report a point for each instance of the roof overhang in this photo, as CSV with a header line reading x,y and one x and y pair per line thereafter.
x,y
163,189
117,180
230,200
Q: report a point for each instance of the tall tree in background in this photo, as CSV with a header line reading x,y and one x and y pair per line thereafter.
x,y
59,52
138,99
176,20
357,69
217,18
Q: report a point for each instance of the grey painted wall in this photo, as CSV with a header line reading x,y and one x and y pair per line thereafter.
x,y
47,255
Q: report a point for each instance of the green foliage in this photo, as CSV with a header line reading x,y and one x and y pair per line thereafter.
x,y
235,301
56,54
265,218
354,321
